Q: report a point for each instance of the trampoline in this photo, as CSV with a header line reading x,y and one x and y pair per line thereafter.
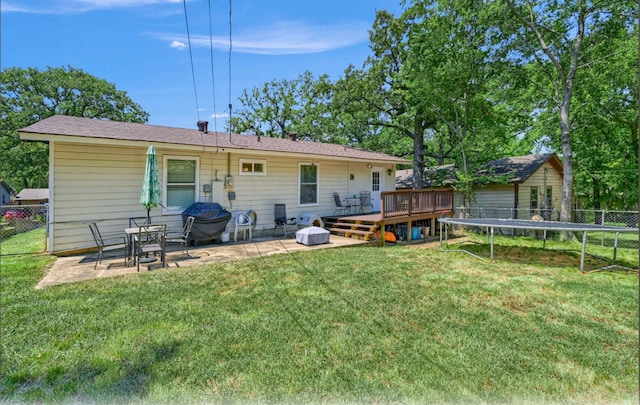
x,y
492,223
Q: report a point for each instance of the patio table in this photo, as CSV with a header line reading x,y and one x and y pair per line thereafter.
x,y
355,202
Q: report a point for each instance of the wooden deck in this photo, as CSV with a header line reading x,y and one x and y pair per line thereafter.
x,y
404,207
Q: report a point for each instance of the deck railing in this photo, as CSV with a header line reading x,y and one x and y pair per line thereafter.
x,y
411,202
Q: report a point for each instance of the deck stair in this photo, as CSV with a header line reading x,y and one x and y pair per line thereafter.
x,y
356,228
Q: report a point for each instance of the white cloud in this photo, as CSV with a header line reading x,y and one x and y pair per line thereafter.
x,y
178,45
285,38
74,6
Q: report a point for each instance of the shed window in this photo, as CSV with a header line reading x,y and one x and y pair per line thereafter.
x,y
534,199
253,167
181,183
308,184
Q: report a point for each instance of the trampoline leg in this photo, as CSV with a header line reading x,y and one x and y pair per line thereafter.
x,y
544,239
584,249
615,246
491,243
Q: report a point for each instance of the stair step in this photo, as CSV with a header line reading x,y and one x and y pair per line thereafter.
x,y
366,235
369,227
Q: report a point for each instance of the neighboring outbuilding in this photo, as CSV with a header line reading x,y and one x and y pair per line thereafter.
x,y
97,167
5,193
529,182
32,196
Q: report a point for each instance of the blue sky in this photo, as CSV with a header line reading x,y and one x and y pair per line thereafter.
x,y
142,47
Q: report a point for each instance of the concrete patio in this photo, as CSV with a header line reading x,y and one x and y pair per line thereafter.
x,y
73,269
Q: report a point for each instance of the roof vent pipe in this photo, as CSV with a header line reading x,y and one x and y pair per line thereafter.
x,y
202,126
293,136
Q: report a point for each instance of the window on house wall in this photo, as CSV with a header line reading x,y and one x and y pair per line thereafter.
x,y
308,184
254,167
180,183
534,200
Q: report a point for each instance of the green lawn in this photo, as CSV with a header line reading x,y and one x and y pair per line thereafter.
x,y
394,324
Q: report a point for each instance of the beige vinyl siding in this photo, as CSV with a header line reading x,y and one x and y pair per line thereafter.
x,y
95,184
101,183
537,179
495,196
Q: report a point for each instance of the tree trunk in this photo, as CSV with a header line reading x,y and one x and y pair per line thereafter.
x,y
567,162
418,161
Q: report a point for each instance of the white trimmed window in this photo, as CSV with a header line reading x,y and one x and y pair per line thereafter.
x,y
180,184
308,184
253,167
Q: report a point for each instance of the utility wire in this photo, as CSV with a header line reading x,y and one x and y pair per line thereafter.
x,y
193,74
213,77
230,49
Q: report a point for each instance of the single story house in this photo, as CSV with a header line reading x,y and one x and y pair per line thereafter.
x,y
530,180
32,196
5,193
96,169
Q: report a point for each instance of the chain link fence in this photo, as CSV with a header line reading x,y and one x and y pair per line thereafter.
x,y
19,220
596,217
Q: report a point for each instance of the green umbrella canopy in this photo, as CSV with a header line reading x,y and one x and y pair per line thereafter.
x,y
151,196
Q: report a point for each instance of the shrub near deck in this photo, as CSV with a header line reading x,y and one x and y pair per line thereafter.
x,y
414,324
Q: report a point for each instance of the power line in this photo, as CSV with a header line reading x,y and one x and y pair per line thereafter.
x,y
193,74
230,49
213,79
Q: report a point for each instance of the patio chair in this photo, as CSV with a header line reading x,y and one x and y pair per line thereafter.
x,y
151,240
365,201
243,222
341,208
105,247
183,239
281,221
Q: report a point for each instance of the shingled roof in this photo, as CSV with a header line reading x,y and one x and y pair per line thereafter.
x,y
518,169
515,169
84,129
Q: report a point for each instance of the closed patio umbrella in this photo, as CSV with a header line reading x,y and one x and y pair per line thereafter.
x,y
151,197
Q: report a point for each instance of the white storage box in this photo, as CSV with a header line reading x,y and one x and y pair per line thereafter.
x,y
313,235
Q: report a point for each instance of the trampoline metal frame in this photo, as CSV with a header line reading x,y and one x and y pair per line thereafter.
x,y
492,223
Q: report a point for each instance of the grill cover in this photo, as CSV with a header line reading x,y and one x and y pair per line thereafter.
x,y
210,220
312,235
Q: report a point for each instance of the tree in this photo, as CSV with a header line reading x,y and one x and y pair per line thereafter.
x,y
605,131
282,107
455,70
433,78
555,36
30,95
378,95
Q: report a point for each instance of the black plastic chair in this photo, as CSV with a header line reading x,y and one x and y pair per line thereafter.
x,y
105,247
281,221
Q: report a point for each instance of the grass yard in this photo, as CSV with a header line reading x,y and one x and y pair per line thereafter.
x,y
403,324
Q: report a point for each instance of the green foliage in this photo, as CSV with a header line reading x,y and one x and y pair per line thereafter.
x,y
283,107
30,95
